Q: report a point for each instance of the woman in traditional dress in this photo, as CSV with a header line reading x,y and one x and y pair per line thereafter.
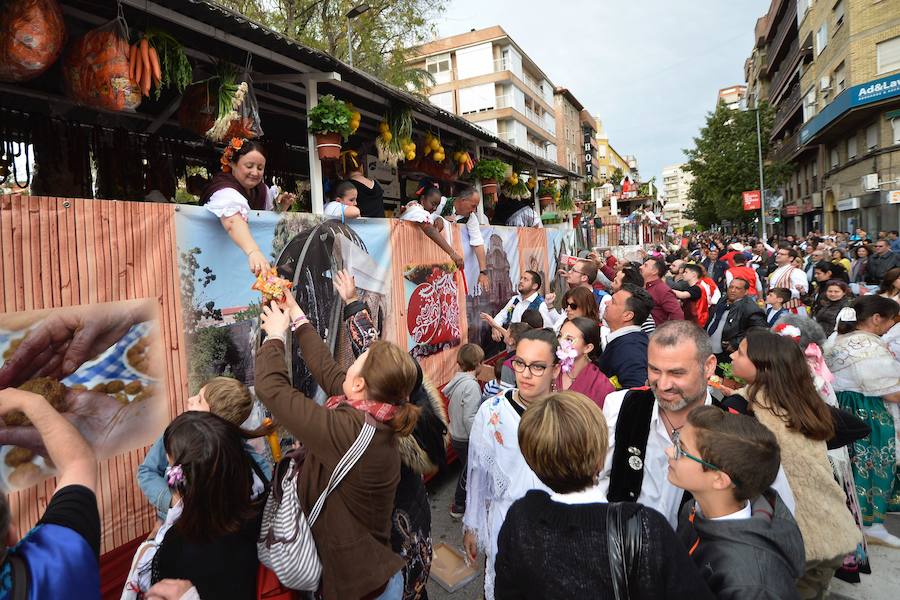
x,y
867,378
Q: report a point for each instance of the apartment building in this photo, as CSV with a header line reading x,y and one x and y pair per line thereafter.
x,y
568,130
486,77
733,96
608,159
832,71
851,109
676,188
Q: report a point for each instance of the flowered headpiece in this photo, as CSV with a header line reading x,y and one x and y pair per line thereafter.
x,y
227,156
175,476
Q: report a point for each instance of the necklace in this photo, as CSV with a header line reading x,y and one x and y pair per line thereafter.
x,y
675,430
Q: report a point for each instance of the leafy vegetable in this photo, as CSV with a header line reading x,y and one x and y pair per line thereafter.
x,y
331,115
490,168
175,68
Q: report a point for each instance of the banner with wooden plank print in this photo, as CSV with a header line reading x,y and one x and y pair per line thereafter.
x,y
105,273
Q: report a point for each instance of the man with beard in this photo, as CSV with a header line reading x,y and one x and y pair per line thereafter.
x,y
528,298
643,421
788,276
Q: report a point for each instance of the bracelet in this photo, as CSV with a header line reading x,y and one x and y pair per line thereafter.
x,y
483,272
296,323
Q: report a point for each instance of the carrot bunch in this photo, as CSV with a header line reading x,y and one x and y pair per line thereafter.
x,y
143,65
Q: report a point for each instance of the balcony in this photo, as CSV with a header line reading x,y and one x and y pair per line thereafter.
x,y
502,64
787,69
540,120
505,101
785,26
787,108
787,149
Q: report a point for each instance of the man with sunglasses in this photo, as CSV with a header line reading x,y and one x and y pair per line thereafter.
x,y
644,422
497,472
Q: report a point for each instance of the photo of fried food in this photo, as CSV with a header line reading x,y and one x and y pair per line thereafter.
x,y
114,386
25,475
18,456
138,355
13,346
52,390
134,388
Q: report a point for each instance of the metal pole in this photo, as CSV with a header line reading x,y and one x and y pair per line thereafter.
x,y
762,185
350,40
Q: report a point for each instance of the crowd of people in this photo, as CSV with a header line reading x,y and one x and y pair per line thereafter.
x,y
713,419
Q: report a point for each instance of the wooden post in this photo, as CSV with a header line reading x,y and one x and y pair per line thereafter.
x,y
316,192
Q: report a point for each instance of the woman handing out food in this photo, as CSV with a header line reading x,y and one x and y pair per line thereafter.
x,y
238,189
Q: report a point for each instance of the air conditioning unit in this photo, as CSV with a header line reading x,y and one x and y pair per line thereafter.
x,y
825,83
870,182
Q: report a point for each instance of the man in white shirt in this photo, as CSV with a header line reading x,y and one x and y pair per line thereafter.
x,y
790,277
464,205
642,421
528,298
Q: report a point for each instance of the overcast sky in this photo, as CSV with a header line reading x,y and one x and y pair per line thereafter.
x,y
650,69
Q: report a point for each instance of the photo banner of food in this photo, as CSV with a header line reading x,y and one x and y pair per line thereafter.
x,y
98,365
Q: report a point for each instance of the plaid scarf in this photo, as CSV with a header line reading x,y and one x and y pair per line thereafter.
x,y
380,411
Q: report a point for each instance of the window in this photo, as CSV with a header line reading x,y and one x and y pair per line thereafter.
x,y
838,12
872,136
802,9
444,101
888,55
840,76
809,104
851,147
835,159
438,64
821,38
895,126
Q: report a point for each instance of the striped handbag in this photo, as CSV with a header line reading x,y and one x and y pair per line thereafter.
x,y
286,544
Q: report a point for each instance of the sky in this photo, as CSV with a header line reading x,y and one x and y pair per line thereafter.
x,y
649,69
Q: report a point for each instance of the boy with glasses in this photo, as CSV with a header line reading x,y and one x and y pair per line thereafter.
x,y
736,528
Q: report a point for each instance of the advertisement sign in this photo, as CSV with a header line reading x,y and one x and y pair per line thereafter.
x,y
752,200
894,197
858,95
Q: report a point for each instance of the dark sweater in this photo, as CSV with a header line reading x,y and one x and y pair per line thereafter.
x,y
551,550
626,359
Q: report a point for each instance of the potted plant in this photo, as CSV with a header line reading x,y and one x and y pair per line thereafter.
x,y
489,171
566,203
547,192
330,120
515,187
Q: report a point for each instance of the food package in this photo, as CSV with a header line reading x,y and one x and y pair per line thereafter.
x,y
96,69
271,286
32,33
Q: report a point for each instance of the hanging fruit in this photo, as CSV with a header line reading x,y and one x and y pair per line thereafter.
x,y
355,118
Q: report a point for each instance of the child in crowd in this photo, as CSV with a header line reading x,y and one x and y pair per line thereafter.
x,y
343,206
737,530
511,337
836,295
464,393
223,396
496,386
776,299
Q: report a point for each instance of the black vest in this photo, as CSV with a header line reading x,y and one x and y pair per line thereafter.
x,y
632,431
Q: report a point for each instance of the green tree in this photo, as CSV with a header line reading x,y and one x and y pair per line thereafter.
x,y
725,162
380,38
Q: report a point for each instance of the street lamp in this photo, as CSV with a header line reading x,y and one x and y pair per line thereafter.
x,y
762,186
354,12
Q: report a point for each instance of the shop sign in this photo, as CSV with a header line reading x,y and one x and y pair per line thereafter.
x,y
792,211
876,90
894,197
848,204
752,200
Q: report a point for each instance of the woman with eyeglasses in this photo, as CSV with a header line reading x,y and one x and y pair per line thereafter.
x,y
579,349
781,395
498,474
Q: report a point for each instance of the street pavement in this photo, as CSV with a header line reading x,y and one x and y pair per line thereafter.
x,y
882,584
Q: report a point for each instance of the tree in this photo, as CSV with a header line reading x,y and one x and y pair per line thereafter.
x,y
725,162
381,35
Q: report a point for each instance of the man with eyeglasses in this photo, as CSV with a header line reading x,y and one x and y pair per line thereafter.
x,y
581,274
882,261
789,277
497,472
644,422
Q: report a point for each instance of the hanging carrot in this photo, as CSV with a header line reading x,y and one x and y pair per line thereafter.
x,y
132,62
154,62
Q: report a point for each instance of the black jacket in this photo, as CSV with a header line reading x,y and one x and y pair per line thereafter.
x,y
742,315
716,271
760,557
879,265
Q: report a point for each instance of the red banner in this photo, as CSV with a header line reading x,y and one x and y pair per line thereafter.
x,y
752,200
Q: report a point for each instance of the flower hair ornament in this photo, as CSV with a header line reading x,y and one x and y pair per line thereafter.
x,y
175,476
847,315
227,156
786,330
566,353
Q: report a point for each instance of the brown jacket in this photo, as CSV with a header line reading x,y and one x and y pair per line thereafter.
x,y
353,531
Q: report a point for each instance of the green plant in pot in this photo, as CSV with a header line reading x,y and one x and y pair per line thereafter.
x,y
547,192
330,121
566,203
489,171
